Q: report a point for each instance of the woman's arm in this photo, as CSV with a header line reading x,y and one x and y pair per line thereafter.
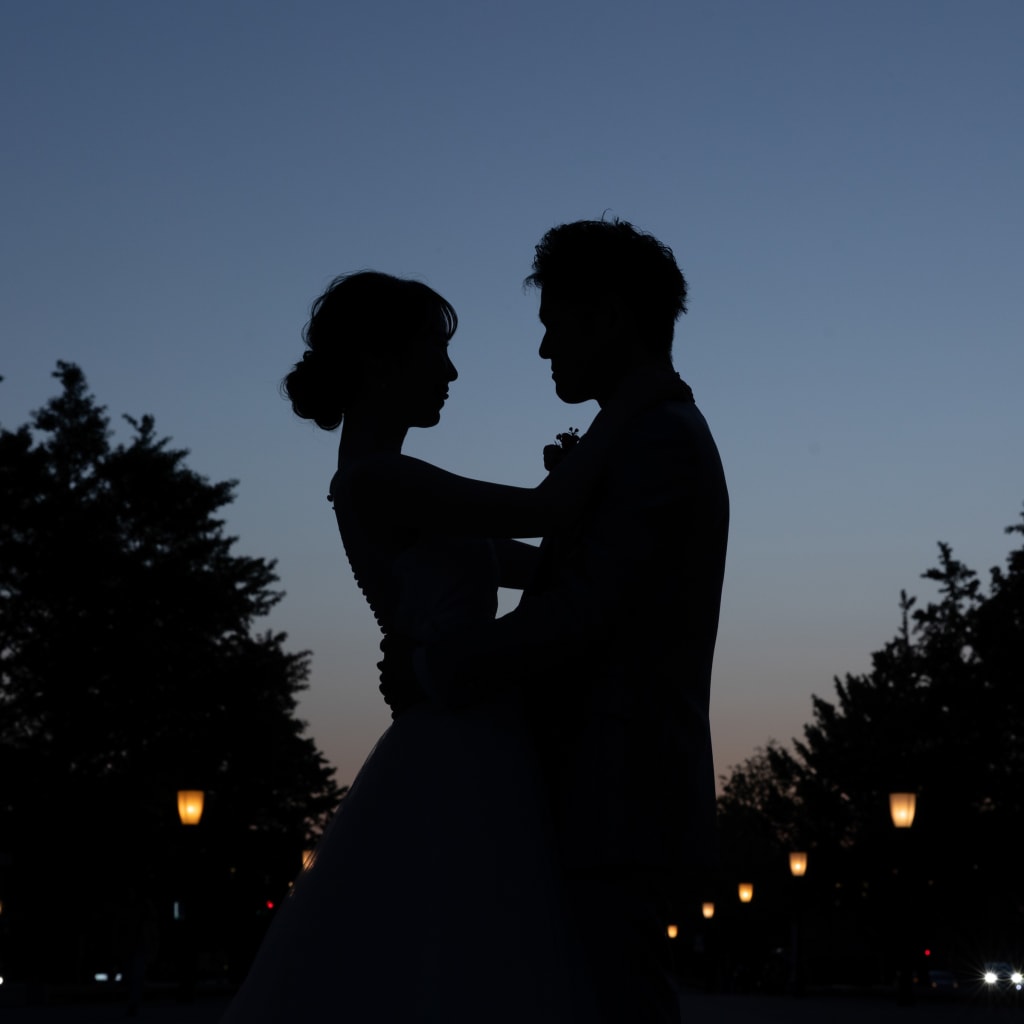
x,y
400,492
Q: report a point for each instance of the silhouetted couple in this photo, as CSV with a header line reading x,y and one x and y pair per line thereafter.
x,y
508,850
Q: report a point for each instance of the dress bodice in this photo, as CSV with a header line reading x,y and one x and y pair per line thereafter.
x,y
419,587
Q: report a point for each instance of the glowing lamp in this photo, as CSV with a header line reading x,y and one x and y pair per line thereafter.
x,y
902,807
190,806
798,864
672,931
708,910
307,859
746,890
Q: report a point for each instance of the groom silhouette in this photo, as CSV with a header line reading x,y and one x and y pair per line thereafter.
x,y
613,640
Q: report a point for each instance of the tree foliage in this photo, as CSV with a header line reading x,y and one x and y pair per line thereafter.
x,y
939,713
131,666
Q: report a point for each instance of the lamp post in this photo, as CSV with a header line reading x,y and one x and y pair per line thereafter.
x,y
745,941
797,868
902,807
190,811
707,945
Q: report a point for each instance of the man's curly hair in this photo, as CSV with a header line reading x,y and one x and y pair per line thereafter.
x,y
587,259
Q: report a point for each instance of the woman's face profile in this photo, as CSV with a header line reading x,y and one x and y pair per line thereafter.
x,y
425,370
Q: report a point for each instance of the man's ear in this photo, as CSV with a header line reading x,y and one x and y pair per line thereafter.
x,y
615,314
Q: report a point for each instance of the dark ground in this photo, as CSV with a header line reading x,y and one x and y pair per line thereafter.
x,y
698,1008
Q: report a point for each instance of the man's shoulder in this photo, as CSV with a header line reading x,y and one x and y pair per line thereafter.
x,y
667,456
676,415
673,429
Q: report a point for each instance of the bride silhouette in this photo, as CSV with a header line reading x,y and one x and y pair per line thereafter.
x,y
434,894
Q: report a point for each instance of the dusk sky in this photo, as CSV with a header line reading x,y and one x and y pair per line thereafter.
x,y
841,184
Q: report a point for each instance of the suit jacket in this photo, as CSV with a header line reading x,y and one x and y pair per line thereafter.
x,y
620,704
612,646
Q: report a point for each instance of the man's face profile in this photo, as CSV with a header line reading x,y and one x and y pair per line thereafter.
x,y
579,343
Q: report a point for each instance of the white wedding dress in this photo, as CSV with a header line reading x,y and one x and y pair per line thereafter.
x,y
433,895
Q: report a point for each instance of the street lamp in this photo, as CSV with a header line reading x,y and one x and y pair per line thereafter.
x,y
708,910
746,890
672,931
797,868
190,806
902,807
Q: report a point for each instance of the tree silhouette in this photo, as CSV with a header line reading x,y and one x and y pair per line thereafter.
x,y
940,714
130,667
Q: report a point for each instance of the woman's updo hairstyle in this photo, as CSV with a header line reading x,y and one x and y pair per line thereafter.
x,y
359,314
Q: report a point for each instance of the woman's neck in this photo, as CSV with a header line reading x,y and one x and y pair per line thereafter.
x,y
365,433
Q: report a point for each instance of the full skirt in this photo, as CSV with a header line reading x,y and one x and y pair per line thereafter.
x,y
434,894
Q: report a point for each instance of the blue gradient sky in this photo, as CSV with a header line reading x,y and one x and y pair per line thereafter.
x,y
841,184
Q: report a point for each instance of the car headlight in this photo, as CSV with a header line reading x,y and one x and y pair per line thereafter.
x,y
991,977
1017,977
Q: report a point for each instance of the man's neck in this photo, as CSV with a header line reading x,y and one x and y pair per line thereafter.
x,y
640,377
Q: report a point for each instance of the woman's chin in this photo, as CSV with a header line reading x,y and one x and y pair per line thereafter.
x,y
428,419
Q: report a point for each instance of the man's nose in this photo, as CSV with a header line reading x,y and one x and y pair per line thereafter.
x,y
545,347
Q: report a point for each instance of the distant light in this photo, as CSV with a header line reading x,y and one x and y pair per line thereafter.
x,y
1017,977
901,808
991,977
190,806
269,904
708,910
746,891
101,977
178,911
672,931
798,864
1,979
927,952
118,976
307,859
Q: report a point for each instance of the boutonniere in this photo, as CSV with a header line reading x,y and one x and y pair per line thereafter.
x,y
564,443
